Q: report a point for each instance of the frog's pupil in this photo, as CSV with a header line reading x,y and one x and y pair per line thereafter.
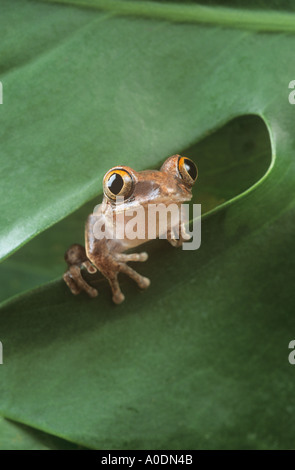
x,y
115,183
190,168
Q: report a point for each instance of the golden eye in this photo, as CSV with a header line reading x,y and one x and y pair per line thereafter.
x,y
187,170
118,183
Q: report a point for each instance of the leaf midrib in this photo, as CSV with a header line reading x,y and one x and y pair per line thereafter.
x,y
257,20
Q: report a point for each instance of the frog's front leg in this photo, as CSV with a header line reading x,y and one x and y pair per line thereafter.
x,y
76,259
110,265
106,255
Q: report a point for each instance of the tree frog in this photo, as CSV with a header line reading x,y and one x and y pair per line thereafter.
x,y
171,184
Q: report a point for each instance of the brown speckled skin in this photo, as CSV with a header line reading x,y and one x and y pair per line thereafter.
x,y
149,186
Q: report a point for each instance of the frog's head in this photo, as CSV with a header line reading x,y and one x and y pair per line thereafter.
x,y
171,184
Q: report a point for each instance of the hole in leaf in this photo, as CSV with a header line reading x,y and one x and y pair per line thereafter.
x,y
230,160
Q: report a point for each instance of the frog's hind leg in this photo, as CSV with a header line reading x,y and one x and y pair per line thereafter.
x,y
76,258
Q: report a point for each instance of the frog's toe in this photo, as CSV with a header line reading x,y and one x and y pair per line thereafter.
x,y
76,283
175,242
143,256
118,298
74,288
90,268
123,258
92,292
144,282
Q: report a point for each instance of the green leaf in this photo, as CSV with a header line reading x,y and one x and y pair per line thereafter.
x,y
115,108
15,436
258,20
200,360
41,260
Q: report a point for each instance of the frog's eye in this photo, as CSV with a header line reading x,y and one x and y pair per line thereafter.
x,y
187,170
118,183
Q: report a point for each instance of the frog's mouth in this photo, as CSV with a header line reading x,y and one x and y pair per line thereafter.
x,y
180,199
185,194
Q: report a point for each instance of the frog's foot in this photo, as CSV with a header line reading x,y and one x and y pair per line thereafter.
x,y
132,257
76,259
174,242
178,241
184,234
111,265
76,283
142,282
